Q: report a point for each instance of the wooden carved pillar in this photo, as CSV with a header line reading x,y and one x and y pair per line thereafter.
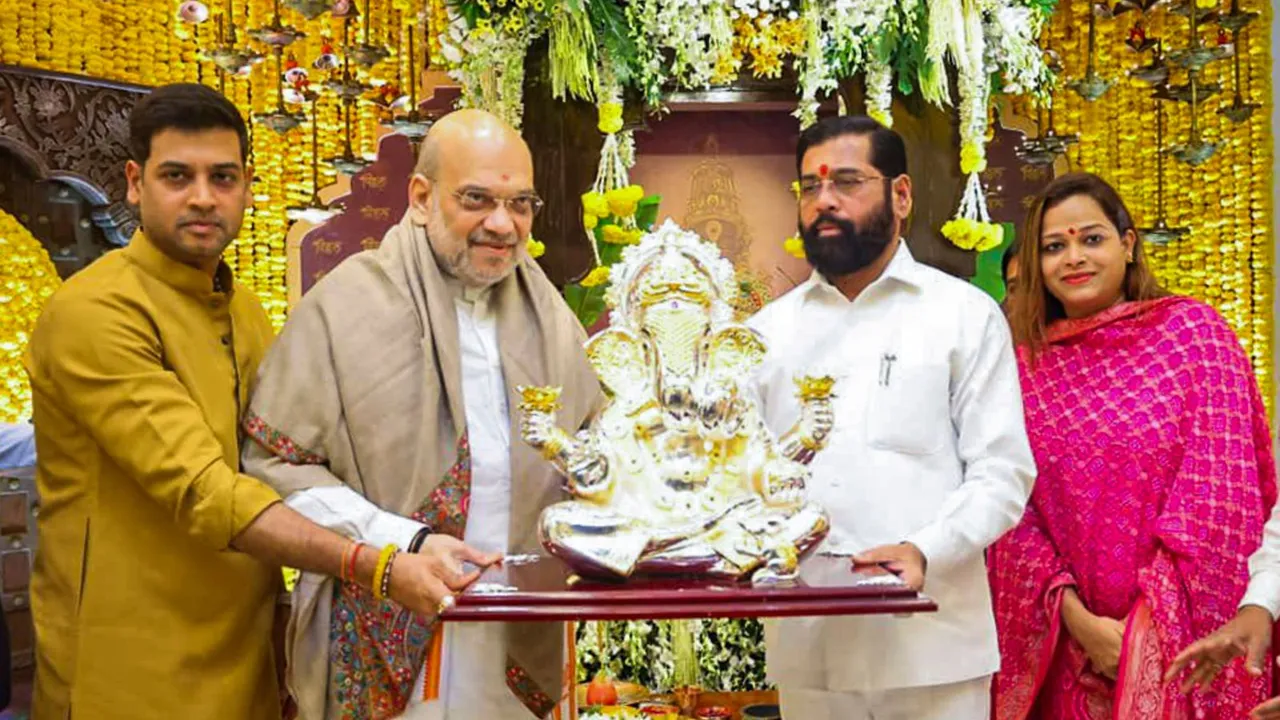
x,y
565,143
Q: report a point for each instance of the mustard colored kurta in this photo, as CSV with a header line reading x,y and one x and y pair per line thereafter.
x,y
139,370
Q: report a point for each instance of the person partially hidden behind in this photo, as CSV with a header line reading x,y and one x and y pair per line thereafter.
x,y
1009,269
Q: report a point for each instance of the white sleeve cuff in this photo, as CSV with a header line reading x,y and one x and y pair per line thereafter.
x,y
349,513
936,548
1264,591
390,529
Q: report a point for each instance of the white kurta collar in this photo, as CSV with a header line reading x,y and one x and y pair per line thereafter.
x,y
903,268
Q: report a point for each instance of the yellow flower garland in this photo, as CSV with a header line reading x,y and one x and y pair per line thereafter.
x,y
598,276
147,44
794,246
27,279
1227,258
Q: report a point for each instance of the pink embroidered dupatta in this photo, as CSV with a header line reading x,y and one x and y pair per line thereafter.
x,y
1155,478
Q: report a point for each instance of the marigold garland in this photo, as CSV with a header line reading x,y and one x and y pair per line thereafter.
x,y
27,279
148,44
794,246
1227,258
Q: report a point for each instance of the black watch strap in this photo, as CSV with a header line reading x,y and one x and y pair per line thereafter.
x,y
420,537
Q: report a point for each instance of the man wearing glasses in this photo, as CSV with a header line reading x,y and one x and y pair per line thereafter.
x,y
384,412
928,462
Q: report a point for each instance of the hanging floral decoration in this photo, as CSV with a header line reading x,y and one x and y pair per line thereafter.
x,y
615,212
598,47
485,44
794,246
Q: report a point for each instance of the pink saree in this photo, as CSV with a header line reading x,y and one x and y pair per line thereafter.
x,y
1155,478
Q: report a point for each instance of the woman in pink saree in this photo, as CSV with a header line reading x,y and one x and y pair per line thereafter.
x,y
1155,478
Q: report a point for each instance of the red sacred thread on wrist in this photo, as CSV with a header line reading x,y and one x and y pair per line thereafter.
x,y
342,567
355,554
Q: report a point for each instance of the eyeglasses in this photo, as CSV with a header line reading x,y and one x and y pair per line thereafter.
x,y
845,184
479,201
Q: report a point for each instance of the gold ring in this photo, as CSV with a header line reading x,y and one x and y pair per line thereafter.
x,y
445,603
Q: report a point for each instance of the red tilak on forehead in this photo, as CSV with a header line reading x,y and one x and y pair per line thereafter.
x,y
1071,230
506,178
823,169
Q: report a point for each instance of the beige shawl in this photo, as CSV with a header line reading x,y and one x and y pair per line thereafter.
x,y
364,387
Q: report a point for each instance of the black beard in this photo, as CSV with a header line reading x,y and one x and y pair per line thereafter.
x,y
853,249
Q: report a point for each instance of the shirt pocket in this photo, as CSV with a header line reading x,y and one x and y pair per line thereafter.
x,y
911,412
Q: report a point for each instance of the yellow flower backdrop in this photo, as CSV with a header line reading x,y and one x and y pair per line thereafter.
x,y
1226,258
27,279
146,43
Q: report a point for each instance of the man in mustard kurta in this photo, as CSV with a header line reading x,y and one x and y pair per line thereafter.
x,y
148,601
139,367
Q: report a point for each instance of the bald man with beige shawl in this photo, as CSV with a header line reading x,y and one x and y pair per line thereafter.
x,y
361,400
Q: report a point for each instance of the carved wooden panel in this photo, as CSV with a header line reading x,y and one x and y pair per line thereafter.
x,y
69,124
63,145
59,217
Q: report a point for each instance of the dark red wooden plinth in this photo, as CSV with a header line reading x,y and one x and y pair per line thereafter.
x,y
545,590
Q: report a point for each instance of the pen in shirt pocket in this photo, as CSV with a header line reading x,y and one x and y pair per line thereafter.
x,y
886,368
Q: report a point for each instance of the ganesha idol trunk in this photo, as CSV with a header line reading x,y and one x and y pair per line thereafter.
x,y
678,475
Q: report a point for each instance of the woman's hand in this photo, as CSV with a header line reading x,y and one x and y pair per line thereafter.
x,y
1101,637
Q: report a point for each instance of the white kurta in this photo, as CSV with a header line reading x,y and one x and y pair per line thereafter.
x,y
472,681
929,446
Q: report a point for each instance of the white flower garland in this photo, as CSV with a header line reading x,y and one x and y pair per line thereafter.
x,y
696,34
490,64
816,76
788,9
1011,33
842,42
880,92
687,43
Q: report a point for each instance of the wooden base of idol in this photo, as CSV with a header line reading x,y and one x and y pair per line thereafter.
x,y
546,590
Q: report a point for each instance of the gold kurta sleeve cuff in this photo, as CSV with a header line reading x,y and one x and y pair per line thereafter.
x,y
250,498
222,503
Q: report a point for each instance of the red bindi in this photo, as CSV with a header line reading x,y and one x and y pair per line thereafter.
x,y
506,178
1071,230
822,170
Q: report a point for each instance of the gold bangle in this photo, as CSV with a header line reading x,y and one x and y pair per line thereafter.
x,y
384,558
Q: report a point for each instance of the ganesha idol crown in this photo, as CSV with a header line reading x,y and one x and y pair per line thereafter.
x,y
678,474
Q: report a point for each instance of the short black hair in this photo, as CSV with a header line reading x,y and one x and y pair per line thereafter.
x,y
1009,254
888,151
182,106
